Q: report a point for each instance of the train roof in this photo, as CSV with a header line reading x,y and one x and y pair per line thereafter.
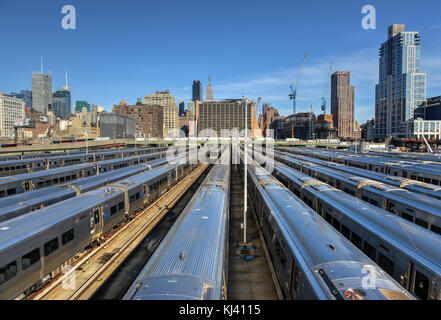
x,y
397,231
15,230
187,260
42,173
317,242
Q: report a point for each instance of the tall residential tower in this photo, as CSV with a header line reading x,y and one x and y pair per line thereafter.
x,y
342,103
401,87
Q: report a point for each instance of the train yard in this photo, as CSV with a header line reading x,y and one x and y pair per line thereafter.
x,y
128,224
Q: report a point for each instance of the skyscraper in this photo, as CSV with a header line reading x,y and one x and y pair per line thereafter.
x,y
401,87
25,95
197,91
342,103
62,106
11,109
170,111
181,108
209,89
42,91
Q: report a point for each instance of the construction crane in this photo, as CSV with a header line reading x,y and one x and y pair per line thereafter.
x,y
293,95
325,92
256,109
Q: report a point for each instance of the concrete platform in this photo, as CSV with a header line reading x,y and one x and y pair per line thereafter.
x,y
246,279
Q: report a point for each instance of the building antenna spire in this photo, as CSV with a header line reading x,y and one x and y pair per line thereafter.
x,y
66,78
41,60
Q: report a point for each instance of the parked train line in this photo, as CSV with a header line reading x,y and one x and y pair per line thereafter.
x,y
426,189
26,182
191,261
13,167
429,172
312,260
408,252
417,208
23,203
35,246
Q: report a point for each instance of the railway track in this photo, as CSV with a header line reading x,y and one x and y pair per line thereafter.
x,y
89,272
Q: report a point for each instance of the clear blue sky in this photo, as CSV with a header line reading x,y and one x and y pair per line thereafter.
x,y
128,49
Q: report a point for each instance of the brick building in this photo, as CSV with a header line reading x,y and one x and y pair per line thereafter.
x,y
149,118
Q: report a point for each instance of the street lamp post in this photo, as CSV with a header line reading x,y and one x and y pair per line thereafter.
x,y
87,141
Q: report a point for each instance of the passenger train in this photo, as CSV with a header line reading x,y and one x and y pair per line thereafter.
x,y
311,259
417,208
191,261
426,171
25,182
34,247
13,167
408,252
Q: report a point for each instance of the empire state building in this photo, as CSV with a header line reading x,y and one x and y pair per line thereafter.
x,y
209,90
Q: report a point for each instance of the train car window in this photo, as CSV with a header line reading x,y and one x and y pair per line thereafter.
x,y
121,205
435,229
40,184
407,217
404,174
413,177
113,209
295,280
345,231
50,246
391,208
74,176
369,251
2,193
48,182
375,203
30,258
421,223
356,240
336,224
427,180
365,199
11,191
68,178
435,182
137,196
328,217
67,237
385,263
132,198
395,173
55,180
421,286
96,215
8,272
280,253
6,168
62,179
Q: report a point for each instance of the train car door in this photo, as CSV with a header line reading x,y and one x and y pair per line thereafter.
x,y
98,220
27,185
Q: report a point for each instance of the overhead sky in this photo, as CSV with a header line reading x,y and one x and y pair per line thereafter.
x,y
129,49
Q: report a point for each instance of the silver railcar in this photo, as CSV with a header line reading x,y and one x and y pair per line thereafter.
x,y
191,260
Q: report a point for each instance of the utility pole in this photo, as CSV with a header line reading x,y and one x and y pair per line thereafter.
x,y
245,204
87,141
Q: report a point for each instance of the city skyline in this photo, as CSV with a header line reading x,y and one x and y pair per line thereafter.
x,y
273,66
